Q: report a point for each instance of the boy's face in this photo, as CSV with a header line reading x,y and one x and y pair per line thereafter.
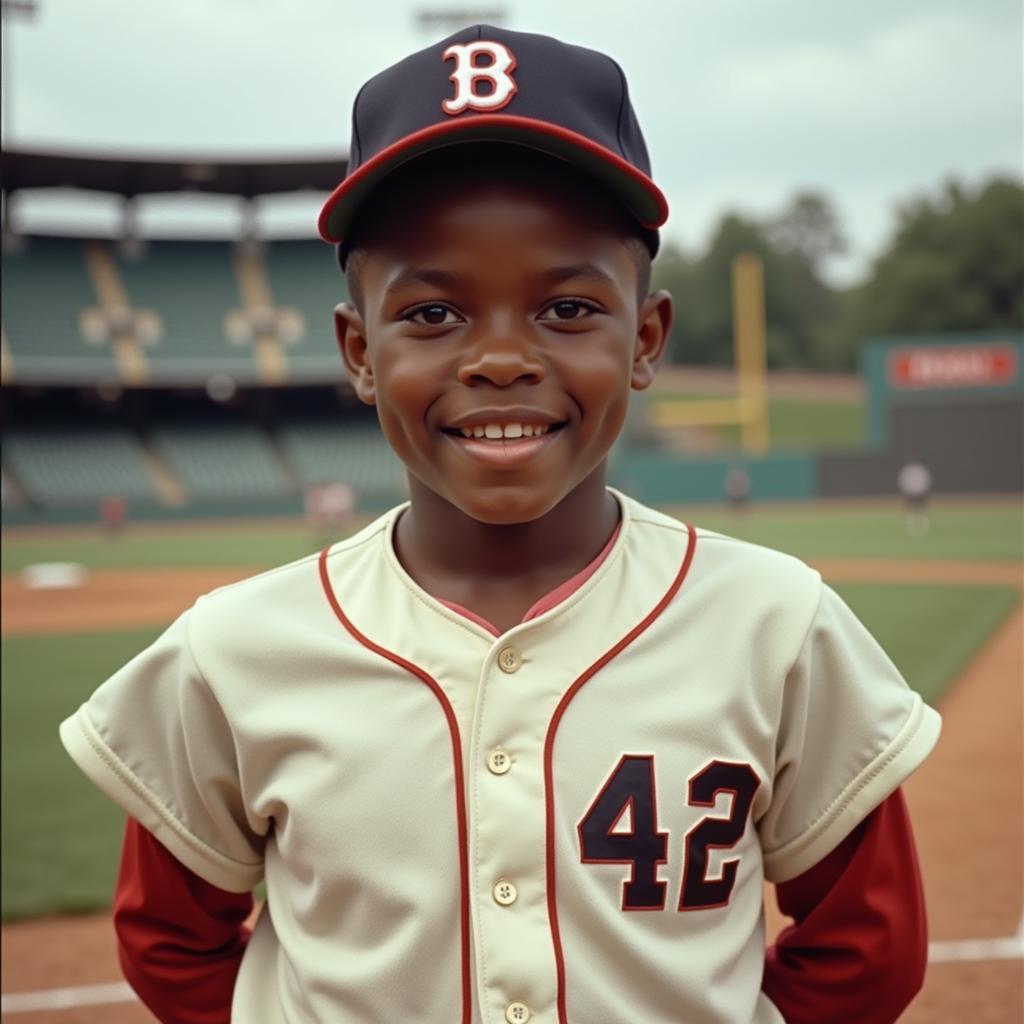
x,y
510,306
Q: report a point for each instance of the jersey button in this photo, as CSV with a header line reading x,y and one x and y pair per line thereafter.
x,y
505,893
517,1013
509,659
498,761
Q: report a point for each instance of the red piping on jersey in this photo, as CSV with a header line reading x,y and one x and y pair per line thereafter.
x,y
460,798
549,745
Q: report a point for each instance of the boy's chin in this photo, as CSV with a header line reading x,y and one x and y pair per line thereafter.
x,y
505,506
505,513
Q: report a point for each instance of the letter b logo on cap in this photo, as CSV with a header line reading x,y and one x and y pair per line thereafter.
x,y
468,74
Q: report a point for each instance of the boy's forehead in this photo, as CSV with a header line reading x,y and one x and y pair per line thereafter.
x,y
497,241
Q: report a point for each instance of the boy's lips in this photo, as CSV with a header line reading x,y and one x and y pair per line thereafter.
x,y
511,422
503,436
503,452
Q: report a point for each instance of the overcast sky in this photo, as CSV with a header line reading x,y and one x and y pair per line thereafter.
x,y
743,102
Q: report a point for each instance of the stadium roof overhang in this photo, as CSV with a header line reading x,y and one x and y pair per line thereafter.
x,y
247,177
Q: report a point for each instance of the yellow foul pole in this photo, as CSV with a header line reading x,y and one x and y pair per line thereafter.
x,y
749,347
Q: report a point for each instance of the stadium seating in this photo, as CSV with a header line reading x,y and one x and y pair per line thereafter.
x,y
304,274
77,467
189,287
223,461
192,286
45,288
360,457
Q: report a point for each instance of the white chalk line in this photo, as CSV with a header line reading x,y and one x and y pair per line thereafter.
x,y
67,998
1009,948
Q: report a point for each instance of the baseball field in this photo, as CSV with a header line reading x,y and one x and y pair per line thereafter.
x,y
946,606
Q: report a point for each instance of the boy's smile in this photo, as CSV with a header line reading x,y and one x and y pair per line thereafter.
x,y
499,336
503,437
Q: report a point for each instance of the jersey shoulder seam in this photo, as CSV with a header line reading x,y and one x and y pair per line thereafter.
x,y
706,536
109,756
277,570
364,536
673,525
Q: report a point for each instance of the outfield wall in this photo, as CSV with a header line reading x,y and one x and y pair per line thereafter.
x,y
970,448
658,478
953,402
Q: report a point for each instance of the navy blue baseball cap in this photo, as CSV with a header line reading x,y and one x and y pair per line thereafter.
x,y
488,84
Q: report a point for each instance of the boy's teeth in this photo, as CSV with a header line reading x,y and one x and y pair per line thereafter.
x,y
497,432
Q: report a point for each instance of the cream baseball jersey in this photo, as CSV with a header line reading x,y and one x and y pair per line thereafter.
x,y
567,823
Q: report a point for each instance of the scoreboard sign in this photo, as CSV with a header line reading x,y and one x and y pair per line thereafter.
x,y
952,366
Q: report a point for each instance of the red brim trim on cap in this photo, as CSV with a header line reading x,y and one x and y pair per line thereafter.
x,y
517,128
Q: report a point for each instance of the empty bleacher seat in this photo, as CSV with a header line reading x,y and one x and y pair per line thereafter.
x,y
192,286
358,456
77,467
222,461
305,275
45,288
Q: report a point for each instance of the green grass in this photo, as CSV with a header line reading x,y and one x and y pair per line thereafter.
x,y
793,422
256,545
930,632
977,531
800,423
980,530
834,424
61,836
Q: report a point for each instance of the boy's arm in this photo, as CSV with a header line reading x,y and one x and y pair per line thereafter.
x,y
859,945
180,939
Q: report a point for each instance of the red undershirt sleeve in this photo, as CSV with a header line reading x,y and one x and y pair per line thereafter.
x,y
858,947
180,939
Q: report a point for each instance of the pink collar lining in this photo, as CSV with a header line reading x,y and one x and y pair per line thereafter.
x,y
549,600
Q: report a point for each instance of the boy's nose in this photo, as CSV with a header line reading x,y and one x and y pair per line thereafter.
x,y
501,360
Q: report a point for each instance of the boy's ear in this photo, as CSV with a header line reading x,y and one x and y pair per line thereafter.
x,y
653,329
351,334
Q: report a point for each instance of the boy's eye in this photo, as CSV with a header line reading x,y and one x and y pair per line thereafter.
x,y
434,315
567,309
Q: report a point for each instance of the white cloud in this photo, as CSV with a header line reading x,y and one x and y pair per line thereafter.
x,y
937,69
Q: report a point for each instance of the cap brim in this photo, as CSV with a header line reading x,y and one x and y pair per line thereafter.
x,y
638,193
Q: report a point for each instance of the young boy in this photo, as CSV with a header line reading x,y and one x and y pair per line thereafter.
x,y
522,749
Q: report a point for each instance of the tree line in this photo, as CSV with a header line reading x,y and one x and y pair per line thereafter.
x,y
955,262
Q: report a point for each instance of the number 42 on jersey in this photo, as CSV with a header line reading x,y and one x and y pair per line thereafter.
x,y
607,838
